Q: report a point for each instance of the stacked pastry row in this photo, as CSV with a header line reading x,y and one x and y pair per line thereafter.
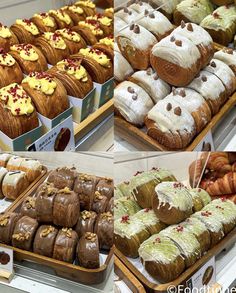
x,y
69,218
16,174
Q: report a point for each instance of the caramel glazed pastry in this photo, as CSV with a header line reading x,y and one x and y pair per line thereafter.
x,y
44,22
25,30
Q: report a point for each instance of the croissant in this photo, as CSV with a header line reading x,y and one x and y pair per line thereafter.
x,y
9,70
47,92
73,76
76,13
7,38
88,6
97,64
29,58
224,185
53,47
109,12
61,18
105,23
18,114
25,30
44,22
106,45
218,161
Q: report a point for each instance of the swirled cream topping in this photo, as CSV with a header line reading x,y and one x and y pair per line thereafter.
x,y
41,81
69,35
73,68
93,25
26,52
97,55
87,3
55,40
5,32
75,9
16,100
108,41
6,59
104,20
111,10
28,25
46,18
61,15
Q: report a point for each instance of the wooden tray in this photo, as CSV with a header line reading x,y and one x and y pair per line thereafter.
x,y
181,280
62,269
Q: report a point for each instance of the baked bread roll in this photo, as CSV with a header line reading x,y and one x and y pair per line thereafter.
x,y
88,6
176,59
4,158
125,206
161,258
105,23
129,234
100,203
7,38
170,124
47,92
211,88
88,251
98,65
104,228
29,58
7,226
122,68
132,102
63,177
9,69
14,183
192,11
44,22
28,207
65,245
24,232
14,163
76,13
85,222
228,56
61,18
135,43
53,47
105,186
73,76
25,30
151,83
172,202
44,240
106,45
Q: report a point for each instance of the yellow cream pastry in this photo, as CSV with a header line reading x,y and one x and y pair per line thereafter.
x,y
4,32
6,59
46,18
87,3
41,81
104,20
55,40
93,25
76,9
16,100
69,35
108,42
72,68
97,55
26,52
28,25
109,10
61,15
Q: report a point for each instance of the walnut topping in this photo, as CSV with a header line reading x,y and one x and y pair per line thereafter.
x,y
107,216
84,177
108,179
21,236
67,231
204,78
130,90
182,24
178,111
86,215
98,196
190,27
168,107
4,220
178,43
172,39
65,190
213,64
90,236
30,203
45,232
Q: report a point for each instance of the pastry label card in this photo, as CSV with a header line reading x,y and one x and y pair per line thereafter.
x,y
204,278
60,138
6,262
207,144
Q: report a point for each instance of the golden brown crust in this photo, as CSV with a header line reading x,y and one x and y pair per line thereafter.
x,y
178,17
61,24
144,194
217,103
76,17
12,192
22,34
105,49
202,116
41,26
74,47
223,37
87,35
10,74
87,10
6,43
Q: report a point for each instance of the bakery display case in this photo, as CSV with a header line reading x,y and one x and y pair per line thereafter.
x,y
174,220
175,74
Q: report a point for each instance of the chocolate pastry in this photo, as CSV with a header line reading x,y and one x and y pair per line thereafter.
x,y
44,240
3,172
86,222
62,140
24,232
45,196
65,245
110,206
100,203
63,177
7,226
4,258
28,207
85,187
88,251
66,208
104,228
106,187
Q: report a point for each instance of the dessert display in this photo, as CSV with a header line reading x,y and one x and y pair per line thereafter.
x,y
61,18
7,226
106,45
7,38
25,30
44,22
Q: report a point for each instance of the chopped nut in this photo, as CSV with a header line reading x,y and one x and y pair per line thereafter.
x,y
178,43
47,231
4,220
136,29
172,39
68,232
182,24
86,215
21,236
190,27
204,78
182,93
130,90
178,111
168,107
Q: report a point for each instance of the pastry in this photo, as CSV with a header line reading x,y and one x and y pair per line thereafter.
x,y
76,13
9,69
7,226
85,186
125,206
3,172
98,65
111,206
44,22
127,15
45,196
62,139
25,30
100,203
88,251
109,12
170,124
122,68
204,196
4,158
192,11
73,76
87,5
14,184
161,258
28,207
172,202
53,47
132,102
129,234
47,92
104,228
61,18
29,58
63,177
106,45
224,185
44,240
7,38
66,208
167,8
135,43
14,163
198,204
105,186
228,56
85,222
151,83
24,232
105,23
123,189
65,245
176,59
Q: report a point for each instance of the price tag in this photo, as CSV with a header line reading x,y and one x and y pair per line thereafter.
x,y
59,138
6,263
207,144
